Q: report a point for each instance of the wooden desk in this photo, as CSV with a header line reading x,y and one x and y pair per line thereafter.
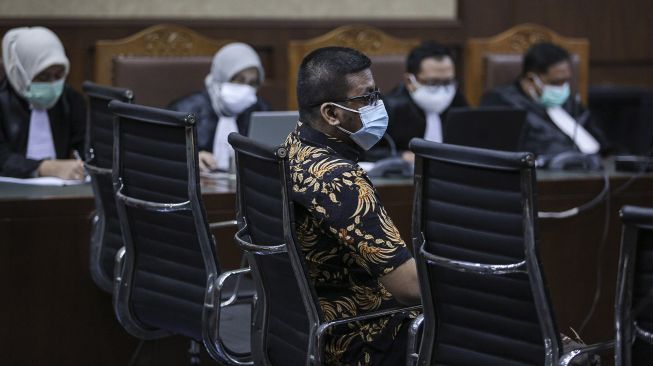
x,y
53,314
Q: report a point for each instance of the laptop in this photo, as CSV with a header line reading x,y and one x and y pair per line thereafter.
x,y
497,128
272,128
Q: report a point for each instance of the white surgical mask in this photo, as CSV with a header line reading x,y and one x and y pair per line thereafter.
x,y
375,122
230,99
432,99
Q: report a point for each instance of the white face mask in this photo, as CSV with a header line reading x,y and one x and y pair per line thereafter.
x,y
230,99
432,99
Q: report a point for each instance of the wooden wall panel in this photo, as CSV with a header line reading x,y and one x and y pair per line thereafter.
x,y
620,35
269,38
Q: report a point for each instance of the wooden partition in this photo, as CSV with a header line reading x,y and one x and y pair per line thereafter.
x,y
618,35
371,41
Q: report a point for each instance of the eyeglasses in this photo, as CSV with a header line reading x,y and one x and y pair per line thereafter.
x,y
369,99
434,82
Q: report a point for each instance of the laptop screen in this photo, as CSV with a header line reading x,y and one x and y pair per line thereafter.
x,y
272,128
497,128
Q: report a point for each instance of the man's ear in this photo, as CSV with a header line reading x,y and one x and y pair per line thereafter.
x,y
328,112
409,83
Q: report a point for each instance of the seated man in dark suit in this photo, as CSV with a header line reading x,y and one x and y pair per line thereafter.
x,y
418,107
226,104
556,122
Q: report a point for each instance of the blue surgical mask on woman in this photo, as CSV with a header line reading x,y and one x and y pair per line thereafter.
x,y
552,95
44,95
375,122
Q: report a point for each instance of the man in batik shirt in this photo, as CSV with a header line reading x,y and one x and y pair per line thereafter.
x,y
357,261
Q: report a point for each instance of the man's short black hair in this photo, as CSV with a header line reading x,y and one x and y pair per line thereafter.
x,y
541,56
322,77
425,50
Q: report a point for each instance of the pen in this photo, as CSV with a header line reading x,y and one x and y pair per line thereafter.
x,y
79,158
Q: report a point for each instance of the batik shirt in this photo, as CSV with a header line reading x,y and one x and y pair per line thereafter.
x,y
348,240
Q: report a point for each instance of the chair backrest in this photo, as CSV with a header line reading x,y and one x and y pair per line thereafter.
x,y
475,241
158,81
497,60
160,64
281,334
106,236
634,302
388,54
169,252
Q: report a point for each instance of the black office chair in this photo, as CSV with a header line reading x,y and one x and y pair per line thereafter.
x,y
289,326
106,236
476,246
169,278
634,299
281,328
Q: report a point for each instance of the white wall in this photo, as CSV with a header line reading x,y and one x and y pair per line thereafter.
x,y
231,9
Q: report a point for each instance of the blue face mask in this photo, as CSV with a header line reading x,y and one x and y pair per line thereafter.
x,y
553,95
375,122
44,95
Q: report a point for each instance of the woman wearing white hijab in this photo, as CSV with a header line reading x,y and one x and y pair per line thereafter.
x,y
42,121
226,104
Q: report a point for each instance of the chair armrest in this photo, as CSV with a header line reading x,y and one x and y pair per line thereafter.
x,y
118,264
222,279
217,296
367,316
377,314
566,358
641,333
412,351
222,224
121,307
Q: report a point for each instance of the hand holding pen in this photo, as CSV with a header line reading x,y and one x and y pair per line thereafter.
x,y
80,161
71,169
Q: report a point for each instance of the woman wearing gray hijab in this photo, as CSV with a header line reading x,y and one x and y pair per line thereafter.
x,y
226,104
42,121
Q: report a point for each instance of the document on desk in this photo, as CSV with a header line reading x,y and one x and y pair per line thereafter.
x,y
44,181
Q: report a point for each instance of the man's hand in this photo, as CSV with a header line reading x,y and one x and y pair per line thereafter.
x,y
207,162
64,169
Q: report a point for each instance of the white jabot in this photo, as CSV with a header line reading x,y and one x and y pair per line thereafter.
x,y
586,143
222,151
433,127
39,142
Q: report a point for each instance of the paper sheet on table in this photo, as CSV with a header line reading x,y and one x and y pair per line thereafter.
x,y
218,175
44,181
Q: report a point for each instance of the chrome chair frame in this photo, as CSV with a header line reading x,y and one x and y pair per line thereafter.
x,y
530,266
635,219
98,229
317,326
125,258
